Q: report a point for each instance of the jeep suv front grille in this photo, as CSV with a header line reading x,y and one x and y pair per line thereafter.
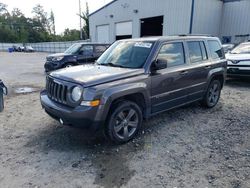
x,y
56,91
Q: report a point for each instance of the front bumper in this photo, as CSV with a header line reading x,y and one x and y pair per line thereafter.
x,y
238,71
81,116
50,66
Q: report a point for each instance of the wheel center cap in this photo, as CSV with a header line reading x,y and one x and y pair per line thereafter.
x,y
125,122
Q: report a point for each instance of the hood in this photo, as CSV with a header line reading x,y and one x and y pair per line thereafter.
x,y
58,55
237,57
89,75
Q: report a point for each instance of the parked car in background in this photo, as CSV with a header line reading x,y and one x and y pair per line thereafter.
x,y
3,91
29,49
15,48
134,80
228,47
20,48
77,54
239,61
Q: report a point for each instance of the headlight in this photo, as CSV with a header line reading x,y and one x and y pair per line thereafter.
x,y
76,93
57,58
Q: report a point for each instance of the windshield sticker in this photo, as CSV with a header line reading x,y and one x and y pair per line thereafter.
x,y
143,45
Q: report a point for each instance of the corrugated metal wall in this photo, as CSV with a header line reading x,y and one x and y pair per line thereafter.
x,y
207,17
176,14
236,19
51,47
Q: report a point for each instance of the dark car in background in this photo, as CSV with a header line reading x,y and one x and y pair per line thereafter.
x,y
23,48
77,54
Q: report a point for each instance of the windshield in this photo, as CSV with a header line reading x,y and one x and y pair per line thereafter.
x,y
126,54
241,49
73,49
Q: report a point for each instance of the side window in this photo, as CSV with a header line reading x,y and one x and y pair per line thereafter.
x,y
204,51
173,53
197,51
215,49
87,50
100,49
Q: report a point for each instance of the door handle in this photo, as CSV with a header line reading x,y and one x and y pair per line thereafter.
x,y
183,72
208,67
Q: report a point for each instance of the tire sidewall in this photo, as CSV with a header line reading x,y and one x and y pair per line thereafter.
x,y
111,122
67,65
207,93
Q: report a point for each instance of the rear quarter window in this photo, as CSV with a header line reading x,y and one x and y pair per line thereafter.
x,y
216,49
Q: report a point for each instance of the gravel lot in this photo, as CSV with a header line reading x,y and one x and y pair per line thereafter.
x,y
186,147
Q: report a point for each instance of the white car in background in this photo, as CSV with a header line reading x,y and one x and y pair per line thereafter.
x,y
239,61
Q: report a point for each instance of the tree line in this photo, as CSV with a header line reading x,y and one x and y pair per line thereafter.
x,y
16,27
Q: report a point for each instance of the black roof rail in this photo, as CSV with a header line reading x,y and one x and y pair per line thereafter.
x,y
195,35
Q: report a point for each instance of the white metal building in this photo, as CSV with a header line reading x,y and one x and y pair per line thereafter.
x,y
121,19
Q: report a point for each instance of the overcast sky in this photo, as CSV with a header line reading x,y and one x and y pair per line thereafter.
x,y
65,10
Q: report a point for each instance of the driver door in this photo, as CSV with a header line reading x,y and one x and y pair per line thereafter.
x,y
86,54
168,85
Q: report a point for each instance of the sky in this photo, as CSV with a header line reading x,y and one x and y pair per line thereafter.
x,y
65,10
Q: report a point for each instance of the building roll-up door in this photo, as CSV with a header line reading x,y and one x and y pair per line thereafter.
x,y
123,30
103,34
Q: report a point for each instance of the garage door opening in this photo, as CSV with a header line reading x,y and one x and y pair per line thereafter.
x,y
123,30
152,26
102,34
123,37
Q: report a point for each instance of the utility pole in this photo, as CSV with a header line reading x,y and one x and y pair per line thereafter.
x,y
80,13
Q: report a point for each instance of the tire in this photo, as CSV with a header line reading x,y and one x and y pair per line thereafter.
x,y
121,128
68,65
212,95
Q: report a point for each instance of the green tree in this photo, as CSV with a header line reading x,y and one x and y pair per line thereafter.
x,y
52,22
85,17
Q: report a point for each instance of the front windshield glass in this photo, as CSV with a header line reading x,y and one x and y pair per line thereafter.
x,y
241,49
73,49
126,54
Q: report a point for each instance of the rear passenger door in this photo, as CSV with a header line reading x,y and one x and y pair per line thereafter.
x,y
200,65
169,85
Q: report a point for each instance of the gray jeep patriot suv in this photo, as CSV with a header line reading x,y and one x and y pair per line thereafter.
x,y
135,79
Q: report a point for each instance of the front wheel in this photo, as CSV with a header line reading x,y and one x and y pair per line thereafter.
x,y
124,122
213,94
68,65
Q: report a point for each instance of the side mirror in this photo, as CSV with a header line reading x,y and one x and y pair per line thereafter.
x,y
160,64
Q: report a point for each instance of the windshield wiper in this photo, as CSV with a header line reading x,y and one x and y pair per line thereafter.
x,y
112,65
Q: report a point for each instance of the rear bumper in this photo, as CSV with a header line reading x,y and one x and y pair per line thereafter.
x,y
82,117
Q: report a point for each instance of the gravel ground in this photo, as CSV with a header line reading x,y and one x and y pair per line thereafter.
x,y
186,147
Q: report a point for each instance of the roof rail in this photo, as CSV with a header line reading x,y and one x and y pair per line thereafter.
x,y
198,35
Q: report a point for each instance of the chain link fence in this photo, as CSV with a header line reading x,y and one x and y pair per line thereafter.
x,y
50,47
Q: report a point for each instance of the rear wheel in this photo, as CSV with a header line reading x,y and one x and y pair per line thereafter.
x,y
124,122
213,94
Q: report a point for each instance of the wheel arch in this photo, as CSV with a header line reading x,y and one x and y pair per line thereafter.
x,y
139,95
